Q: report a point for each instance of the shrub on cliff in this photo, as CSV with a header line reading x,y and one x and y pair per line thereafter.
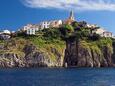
x,y
67,32
66,29
75,24
51,33
94,37
21,34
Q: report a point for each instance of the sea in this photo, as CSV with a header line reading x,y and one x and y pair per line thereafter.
x,y
57,77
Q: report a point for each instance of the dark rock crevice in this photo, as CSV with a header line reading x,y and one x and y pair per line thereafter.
x,y
79,56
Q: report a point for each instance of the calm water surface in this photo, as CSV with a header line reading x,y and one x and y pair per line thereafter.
x,y
58,77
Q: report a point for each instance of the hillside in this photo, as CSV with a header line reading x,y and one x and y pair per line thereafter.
x,y
45,51
69,45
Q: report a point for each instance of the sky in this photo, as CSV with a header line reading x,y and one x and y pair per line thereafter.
x,y
14,14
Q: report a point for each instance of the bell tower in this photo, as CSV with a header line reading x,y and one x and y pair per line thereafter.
x,y
71,18
71,15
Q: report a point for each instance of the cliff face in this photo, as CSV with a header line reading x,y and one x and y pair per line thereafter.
x,y
20,53
83,54
35,58
30,56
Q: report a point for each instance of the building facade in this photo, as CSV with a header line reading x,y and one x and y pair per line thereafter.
x,y
56,23
50,24
107,34
92,26
31,26
44,24
103,33
31,31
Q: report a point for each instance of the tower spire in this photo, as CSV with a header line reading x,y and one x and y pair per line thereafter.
x,y
72,15
71,18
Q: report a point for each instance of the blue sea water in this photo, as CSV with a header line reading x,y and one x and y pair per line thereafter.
x,y
58,77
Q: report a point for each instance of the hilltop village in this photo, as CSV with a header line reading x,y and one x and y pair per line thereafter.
x,y
32,29
58,43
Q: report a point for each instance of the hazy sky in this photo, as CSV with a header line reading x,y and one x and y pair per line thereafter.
x,y
16,13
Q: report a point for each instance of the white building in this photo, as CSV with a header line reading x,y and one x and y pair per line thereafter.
x,y
92,26
48,24
31,31
31,26
98,30
56,23
45,24
107,34
102,32
6,32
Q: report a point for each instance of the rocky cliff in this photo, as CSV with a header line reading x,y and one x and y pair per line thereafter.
x,y
84,54
21,53
73,45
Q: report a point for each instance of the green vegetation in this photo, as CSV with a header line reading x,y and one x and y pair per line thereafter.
x,y
66,31
88,40
50,39
1,41
44,40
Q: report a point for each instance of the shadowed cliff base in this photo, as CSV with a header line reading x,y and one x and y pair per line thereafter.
x,y
87,54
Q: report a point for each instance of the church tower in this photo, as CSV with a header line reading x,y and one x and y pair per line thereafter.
x,y
70,19
72,15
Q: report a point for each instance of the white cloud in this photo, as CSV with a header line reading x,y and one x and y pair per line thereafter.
x,y
99,5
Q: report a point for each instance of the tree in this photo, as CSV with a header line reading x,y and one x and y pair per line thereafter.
x,y
75,24
66,31
82,24
94,37
52,33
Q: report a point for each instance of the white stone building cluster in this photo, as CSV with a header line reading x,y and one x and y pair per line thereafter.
x,y
103,33
48,24
31,29
98,30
